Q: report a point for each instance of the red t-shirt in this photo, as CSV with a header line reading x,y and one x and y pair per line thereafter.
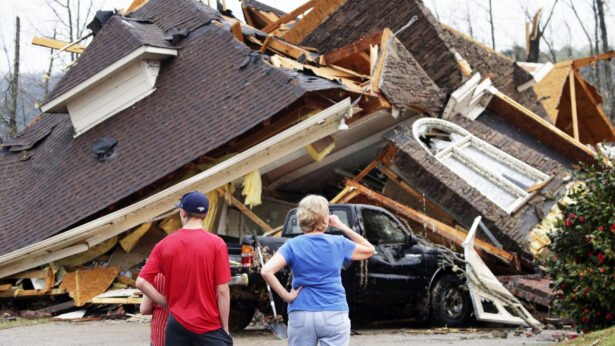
x,y
193,262
160,314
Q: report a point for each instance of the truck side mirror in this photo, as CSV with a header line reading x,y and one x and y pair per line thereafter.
x,y
411,240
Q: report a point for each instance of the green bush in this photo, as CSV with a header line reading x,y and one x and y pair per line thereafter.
x,y
581,261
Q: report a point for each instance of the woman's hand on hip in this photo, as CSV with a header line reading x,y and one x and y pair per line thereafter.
x,y
292,295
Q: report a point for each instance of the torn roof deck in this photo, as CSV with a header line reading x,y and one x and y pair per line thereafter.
x,y
556,94
205,97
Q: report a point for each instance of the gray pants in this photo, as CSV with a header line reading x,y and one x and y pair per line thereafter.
x,y
306,328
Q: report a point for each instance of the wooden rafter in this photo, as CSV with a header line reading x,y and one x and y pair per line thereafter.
x,y
450,233
310,21
362,45
573,106
578,63
55,44
290,16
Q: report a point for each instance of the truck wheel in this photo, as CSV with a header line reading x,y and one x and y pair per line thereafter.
x,y
450,303
240,314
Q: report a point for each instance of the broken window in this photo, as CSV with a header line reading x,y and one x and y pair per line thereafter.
x,y
381,228
502,178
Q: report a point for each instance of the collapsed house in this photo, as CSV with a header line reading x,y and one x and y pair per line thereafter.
x,y
174,96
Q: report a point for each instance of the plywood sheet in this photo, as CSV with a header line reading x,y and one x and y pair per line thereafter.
x,y
83,285
549,90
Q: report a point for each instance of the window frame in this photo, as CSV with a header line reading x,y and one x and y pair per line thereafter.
x,y
454,150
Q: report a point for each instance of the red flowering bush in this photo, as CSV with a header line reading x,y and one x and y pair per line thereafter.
x,y
581,260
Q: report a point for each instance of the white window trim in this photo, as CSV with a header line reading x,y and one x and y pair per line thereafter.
x,y
469,139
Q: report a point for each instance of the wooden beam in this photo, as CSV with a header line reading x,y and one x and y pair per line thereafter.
x,y
524,119
236,30
416,195
129,241
30,274
366,170
290,16
573,106
127,300
136,4
310,21
5,287
31,293
359,46
448,232
96,231
379,67
257,220
578,63
55,44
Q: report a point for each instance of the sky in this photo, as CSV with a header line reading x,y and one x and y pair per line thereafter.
x,y
509,15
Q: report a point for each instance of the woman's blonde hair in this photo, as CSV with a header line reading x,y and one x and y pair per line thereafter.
x,y
312,213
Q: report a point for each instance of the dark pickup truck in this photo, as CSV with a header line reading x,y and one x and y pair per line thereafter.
x,y
402,279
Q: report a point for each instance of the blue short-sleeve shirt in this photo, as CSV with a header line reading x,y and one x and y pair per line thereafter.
x,y
316,263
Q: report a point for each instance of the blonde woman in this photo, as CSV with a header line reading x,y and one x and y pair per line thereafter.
x,y
317,309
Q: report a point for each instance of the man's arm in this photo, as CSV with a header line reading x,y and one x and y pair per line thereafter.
x,y
224,304
149,290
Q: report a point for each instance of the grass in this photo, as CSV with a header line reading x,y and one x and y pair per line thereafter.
x,y
605,337
21,322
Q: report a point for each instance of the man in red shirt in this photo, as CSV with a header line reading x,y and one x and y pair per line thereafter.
x,y
196,269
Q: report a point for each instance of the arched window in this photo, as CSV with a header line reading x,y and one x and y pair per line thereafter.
x,y
502,178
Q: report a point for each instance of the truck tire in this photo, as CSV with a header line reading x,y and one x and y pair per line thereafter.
x,y
450,303
240,314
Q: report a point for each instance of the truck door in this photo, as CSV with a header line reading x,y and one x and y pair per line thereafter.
x,y
397,269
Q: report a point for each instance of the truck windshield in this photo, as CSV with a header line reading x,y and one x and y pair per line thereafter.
x,y
294,226
380,228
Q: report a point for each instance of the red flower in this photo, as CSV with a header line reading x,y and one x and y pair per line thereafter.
x,y
586,311
568,223
613,226
584,319
591,270
601,257
602,270
574,296
562,285
586,291
554,257
582,219
607,284
581,274
590,254
609,316
572,216
601,228
574,290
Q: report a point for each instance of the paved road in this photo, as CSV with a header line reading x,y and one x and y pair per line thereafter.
x,y
135,333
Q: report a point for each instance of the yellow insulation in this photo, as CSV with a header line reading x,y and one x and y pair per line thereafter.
x,y
208,222
252,188
318,156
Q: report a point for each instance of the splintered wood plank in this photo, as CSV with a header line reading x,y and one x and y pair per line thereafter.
x,y
31,293
236,30
573,106
136,4
359,46
171,224
55,44
257,220
290,16
377,74
312,20
30,274
5,287
126,280
129,241
127,300
83,285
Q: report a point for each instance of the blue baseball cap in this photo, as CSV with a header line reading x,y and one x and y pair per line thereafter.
x,y
194,202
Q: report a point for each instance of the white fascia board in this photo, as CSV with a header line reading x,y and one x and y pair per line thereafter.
x,y
94,232
141,53
537,76
470,99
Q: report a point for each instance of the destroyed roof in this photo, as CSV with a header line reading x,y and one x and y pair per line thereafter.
x,y
424,39
259,6
507,74
215,90
118,38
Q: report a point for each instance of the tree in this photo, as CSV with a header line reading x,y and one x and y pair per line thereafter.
x,y
605,48
582,250
9,117
537,33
